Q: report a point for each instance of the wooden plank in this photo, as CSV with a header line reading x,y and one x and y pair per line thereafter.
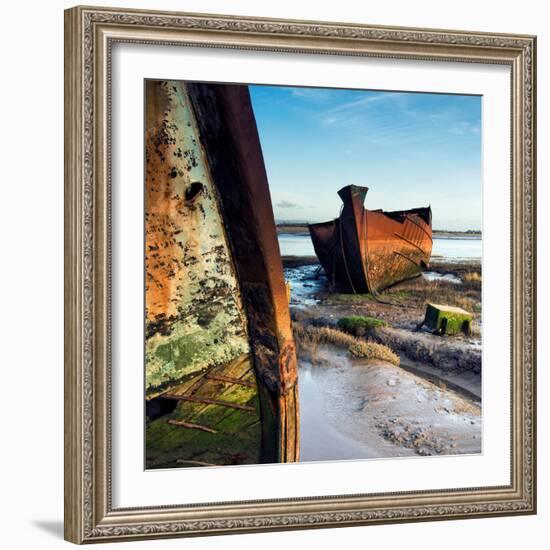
x,y
209,401
230,380
213,389
191,426
196,462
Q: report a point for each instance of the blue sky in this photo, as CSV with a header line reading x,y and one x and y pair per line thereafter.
x,y
410,149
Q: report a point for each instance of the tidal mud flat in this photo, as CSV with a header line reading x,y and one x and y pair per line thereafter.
x,y
427,404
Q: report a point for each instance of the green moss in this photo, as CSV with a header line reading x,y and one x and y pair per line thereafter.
x,y
355,324
174,359
236,441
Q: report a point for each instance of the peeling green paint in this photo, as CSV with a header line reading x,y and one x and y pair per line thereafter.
x,y
195,316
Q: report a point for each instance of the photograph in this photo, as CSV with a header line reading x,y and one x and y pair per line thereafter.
x,y
313,274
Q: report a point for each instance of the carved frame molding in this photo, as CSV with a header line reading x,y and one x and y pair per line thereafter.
x,y
89,35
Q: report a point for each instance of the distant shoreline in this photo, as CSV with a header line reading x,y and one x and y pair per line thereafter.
x,y
302,229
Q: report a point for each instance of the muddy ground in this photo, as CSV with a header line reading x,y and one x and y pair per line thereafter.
x,y
351,409
429,405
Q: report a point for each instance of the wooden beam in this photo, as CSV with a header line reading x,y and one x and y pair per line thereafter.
x,y
208,401
196,462
230,380
192,426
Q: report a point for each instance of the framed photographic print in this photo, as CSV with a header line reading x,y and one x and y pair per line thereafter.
x,y
300,274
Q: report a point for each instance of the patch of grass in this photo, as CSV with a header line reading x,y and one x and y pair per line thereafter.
x,y
397,294
372,350
465,295
363,299
308,339
357,324
348,298
472,276
471,280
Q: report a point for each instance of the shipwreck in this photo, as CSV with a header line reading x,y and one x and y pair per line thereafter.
x,y
365,251
220,369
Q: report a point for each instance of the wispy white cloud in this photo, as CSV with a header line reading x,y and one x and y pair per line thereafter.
x,y
363,113
366,101
314,95
286,204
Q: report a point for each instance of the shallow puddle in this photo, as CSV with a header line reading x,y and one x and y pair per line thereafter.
x,y
305,282
435,276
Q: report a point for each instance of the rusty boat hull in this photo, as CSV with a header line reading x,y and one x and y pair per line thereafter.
x,y
365,251
220,363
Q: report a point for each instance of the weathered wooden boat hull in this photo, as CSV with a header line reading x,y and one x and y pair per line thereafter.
x,y
369,250
221,376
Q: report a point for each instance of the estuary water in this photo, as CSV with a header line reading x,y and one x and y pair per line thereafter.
x,y
460,248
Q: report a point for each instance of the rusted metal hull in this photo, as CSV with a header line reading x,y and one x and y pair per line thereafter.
x,y
221,373
369,250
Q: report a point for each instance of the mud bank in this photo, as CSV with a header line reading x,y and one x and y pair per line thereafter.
x,y
402,307
352,409
444,353
429,405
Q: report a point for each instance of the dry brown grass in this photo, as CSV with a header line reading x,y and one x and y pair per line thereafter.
x,y
443,292
308,339
471,281
472,276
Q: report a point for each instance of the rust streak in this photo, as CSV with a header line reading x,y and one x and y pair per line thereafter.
x,y
406,257
410,242
419,226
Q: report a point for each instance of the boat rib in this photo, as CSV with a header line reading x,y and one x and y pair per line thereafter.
x,y
192,426
208,401
196,462
230,380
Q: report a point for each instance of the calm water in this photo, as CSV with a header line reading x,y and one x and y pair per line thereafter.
x,y
460,248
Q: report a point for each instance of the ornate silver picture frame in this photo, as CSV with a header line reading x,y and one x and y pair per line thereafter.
x,y
90,34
